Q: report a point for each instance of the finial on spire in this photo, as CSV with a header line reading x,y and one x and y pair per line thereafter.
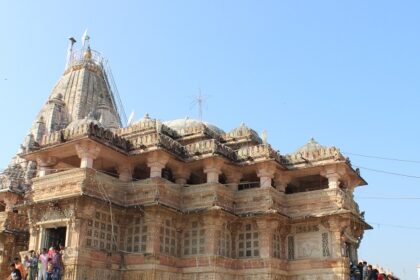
x,y
85,39
264,137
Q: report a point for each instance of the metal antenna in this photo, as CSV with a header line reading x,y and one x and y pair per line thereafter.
x,y
199,101
69,58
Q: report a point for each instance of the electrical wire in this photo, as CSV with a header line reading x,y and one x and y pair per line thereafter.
x,y
395,226
383,158
390,198
388,172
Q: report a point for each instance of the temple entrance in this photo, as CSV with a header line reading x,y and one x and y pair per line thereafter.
x,y
53,237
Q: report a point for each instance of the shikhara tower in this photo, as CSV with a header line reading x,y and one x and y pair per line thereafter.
x,y
181,199
82,94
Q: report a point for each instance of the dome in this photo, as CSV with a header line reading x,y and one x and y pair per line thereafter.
x,y
311,146
87,120
244,131
182,124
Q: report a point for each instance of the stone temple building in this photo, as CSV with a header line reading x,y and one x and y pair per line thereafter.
x,y
174,200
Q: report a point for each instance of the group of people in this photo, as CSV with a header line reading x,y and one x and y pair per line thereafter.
x,y
363,271
46,265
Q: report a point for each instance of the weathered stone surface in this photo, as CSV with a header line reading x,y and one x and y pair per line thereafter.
x,y
176,200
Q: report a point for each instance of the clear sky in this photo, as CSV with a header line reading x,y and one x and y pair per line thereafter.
x,y
343,72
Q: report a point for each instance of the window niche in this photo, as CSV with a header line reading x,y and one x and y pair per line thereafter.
x,y
248,242
136,235
225,238
306,184
168,238
102,232
277,245
194,239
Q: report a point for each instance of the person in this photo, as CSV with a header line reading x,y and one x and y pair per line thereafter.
x,y
14,273
50,269
373,275
365,270
57,264
43,262
21,268
25,264
62,253
360,268
355,272
32,265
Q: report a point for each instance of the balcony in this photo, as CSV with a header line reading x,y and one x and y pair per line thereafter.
x,y
205,196
319,203
76,182
259,200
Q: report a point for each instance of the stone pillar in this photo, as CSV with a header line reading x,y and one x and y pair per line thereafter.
x,y
213,228
125,172
87,152
333,181
45,164
336,239
266,174
153,221
281,180
181,175
10,200
266,230
156,165
213,169
34,236
334,176
212,174
233,180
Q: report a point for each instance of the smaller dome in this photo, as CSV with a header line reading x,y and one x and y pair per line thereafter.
x,y
182,124
244,131
87,120
145,118
57,96
311,146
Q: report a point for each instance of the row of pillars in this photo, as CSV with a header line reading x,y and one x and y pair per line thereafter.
x,y
266,172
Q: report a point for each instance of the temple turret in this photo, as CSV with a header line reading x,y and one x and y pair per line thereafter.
x,y
82,92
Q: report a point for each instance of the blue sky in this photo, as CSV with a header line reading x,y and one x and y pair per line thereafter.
x,y
343,72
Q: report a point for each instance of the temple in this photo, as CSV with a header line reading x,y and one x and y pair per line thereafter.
x,y
174,200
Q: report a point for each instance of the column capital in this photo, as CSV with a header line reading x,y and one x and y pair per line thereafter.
x,y
266,170
267,224
181,175
156,163
46,161
125,172
266,173
213,168
281,181
87,150
10,200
